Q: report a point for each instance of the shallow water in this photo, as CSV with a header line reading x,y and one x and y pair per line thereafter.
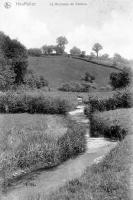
x,y
48,181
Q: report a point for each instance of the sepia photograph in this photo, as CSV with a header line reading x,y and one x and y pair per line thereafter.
x,y
66,106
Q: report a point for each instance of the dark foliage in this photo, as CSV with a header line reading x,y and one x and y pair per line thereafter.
x,y
16,53
121,79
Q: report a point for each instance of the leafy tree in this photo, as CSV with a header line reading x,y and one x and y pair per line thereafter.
x,y
16,53
61,42
97,47
7,75
75,51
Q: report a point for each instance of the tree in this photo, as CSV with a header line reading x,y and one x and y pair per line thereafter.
x,y
16,53
7,75
97,47
61,42
75,51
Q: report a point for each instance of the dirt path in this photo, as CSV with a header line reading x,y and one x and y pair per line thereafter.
x,y
48,181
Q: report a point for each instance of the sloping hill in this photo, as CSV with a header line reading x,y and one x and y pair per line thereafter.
x,y
61,69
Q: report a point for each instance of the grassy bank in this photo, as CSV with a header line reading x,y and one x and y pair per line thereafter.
x,y
31,146
111,101
114,124
106,180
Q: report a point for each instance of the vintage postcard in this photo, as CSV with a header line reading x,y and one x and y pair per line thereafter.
x,y
66,99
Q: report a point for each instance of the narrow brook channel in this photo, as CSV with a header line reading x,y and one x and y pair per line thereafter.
x,y
48,181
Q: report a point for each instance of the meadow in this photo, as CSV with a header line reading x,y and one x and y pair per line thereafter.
x,y
61,69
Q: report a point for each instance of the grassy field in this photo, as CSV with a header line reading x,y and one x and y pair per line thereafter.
x,y
60,69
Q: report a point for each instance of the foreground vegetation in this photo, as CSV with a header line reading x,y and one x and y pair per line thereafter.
x,y
22,151
108,179
32,102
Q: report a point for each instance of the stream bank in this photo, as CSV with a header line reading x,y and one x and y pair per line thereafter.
x,y
48,181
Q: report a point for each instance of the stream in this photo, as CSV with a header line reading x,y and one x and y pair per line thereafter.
x,y
45,182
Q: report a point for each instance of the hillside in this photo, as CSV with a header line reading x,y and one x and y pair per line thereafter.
x,y
60,69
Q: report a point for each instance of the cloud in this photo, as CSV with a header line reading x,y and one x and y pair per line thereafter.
x,y
115,35
19,24
107,22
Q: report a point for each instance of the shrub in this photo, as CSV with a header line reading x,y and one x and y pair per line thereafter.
x,y
33,80
99,128
88,77
114,124
121,79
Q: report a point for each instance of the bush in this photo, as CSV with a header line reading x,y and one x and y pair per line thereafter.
x,y
121,79
99,128
33,80
114,124
32,103
88,77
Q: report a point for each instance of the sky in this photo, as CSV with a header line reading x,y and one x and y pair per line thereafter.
x,y
82,22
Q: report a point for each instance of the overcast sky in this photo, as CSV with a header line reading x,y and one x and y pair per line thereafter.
x,y
109,22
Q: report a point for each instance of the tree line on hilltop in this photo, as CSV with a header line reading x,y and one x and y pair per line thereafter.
x,y
14,71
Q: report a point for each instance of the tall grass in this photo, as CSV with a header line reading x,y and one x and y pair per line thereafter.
x,y
32,103
30,152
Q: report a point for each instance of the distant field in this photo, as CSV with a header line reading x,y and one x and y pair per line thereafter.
x,y
59,69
